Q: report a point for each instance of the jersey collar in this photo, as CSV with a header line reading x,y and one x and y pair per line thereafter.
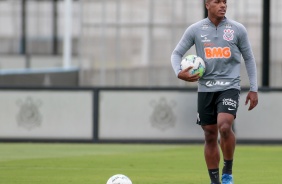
x,y
220,24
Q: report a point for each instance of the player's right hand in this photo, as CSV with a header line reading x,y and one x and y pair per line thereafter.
x,y
186,76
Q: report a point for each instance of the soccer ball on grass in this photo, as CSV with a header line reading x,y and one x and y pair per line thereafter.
x,y
119,179
196,62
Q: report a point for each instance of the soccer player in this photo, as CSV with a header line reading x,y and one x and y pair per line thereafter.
x,y
220,42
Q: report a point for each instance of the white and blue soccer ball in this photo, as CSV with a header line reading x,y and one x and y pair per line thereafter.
x,y
119,179
196,62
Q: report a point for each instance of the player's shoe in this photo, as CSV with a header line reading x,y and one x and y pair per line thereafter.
x,y
227,179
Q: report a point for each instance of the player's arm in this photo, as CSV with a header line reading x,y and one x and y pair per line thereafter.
x,y
185,43
250,63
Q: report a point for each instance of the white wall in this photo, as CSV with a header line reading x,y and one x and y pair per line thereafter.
x,y
147,115
125,115
171,115
43,114
263,122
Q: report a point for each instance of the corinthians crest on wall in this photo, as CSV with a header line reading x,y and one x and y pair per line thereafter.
x,y
163,116
29,116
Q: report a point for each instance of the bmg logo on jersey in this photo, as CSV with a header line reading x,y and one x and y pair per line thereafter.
x,y
217,52
229,102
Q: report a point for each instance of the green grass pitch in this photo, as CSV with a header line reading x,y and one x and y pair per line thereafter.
x,y
57,163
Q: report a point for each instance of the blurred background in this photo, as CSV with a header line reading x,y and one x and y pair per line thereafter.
x,y
118,42
67,63
99,72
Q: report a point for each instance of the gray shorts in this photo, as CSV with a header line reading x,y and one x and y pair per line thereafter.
x,y
212,103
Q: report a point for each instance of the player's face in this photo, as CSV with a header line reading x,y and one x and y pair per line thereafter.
x,y
217,8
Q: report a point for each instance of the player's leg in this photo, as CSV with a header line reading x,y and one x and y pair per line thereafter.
x,y
227,144
227,140
212,152
207,117
211,149
228,102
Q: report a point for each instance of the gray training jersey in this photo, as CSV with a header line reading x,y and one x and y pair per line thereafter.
x,y
221,48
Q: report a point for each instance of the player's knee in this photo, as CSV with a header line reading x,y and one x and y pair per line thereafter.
x,y
210,137
225,130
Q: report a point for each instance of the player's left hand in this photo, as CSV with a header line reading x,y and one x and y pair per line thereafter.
x,y
253,98
184,75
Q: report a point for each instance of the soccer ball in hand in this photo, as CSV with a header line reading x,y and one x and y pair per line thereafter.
x,y
197,63
119,179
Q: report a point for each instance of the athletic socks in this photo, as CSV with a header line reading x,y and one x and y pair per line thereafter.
x,y
214,173
227,169
214,176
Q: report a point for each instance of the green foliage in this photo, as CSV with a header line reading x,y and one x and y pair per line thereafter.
x,y
142,163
